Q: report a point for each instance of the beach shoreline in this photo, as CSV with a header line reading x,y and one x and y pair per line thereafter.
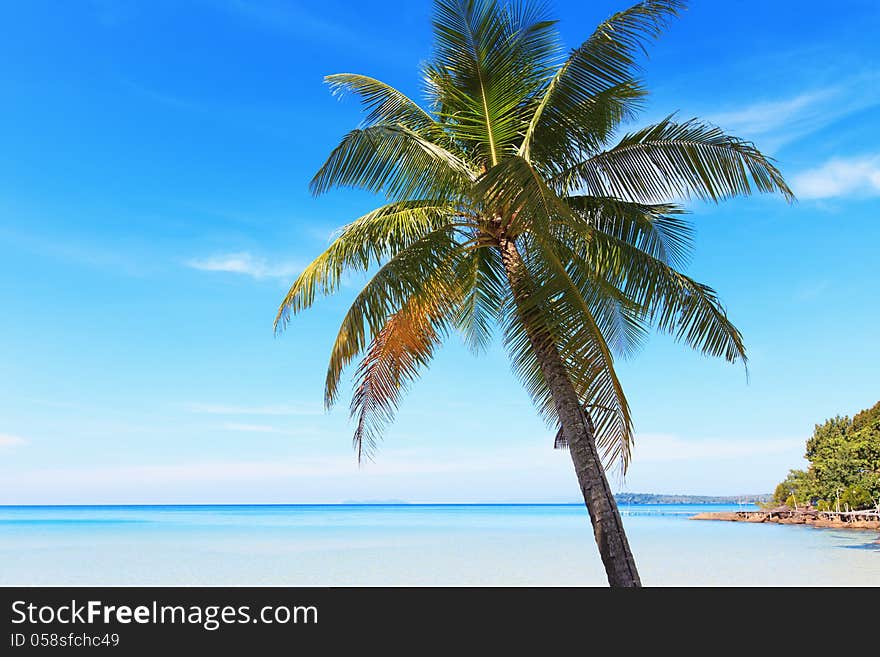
x,y
868,520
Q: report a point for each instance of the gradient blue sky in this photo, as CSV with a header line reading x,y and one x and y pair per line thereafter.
x,y
154,206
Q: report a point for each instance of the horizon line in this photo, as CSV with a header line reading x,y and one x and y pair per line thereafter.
x,y
334,504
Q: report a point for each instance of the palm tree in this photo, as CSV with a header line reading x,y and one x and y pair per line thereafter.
x,y
509,206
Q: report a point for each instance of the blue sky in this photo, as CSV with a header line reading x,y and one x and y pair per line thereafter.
x,y
154,206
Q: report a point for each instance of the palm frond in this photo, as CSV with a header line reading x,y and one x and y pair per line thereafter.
x,y
396,161
657,229
693,314
670,301
383,103
392,361
588,369
583,347
516,191
671,160
421,272
621,320
489,60
595,89
379,234
481,275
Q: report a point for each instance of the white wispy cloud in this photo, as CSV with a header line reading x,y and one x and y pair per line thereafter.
x,y
246,264
270,409
767,116
8,440
855,176
774,122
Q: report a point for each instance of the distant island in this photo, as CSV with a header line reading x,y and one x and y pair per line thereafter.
x,y
655,498
622,498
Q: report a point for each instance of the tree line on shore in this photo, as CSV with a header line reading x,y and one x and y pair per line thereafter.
x,y
844,466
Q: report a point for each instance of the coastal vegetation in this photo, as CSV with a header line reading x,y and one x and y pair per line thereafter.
x,y
514,203
844,466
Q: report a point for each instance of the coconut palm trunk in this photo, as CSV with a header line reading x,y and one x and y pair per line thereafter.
x,y
577,430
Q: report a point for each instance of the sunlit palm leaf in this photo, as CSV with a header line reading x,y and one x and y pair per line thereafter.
x,y
659,229
488,60
383,104
366,241
588,368
420,272
674,160
596,89
585,351
484,295
393,160
672,302
392,361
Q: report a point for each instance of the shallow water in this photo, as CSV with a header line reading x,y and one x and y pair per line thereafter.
x,y
413,545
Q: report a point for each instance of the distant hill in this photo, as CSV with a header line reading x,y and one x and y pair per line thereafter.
x,y
654,498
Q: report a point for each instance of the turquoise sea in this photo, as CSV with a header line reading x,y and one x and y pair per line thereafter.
x,y
411,545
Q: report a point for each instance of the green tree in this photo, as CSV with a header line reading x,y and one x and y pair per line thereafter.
x,y
510,206
844,458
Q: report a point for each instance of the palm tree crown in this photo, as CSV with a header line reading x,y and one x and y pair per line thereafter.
x,y
516,151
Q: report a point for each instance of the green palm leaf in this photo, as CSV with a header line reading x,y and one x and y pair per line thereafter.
x,y
379,234
420,273
670,301
383,104
657,229
481,275
393,160
595,89
673,160
488,61
583,347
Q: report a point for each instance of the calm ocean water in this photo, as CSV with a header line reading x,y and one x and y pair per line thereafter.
x,y
412,544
